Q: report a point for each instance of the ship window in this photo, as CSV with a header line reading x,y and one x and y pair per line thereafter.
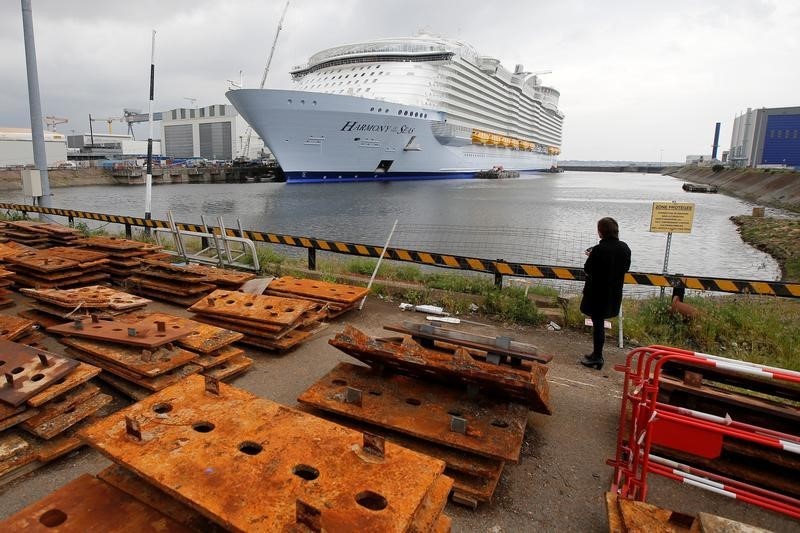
x,y
379,110
405,113
314,102
367,90
373,109
303,102
387,109
371,73
363,73
373,81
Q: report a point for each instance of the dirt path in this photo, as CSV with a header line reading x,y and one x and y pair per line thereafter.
x,y
558,484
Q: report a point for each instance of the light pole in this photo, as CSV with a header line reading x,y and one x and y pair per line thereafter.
x,y
660,157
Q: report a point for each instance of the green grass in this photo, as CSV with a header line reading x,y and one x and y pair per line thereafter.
x,y
780,238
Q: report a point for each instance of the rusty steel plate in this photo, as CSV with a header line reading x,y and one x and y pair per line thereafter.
x,y
63,403
12,327
218,357
221,276
11,248
129,389
36,260
152,267
229,369
15,452
432,505
27,371
94,296
424,410
63,276
143,362
286,342
498,381
13,419
323,290
130,483
146,333
72,281
203,338
494,345
81,374
181,301
112,243
178,287
155,383
80,255
250,327
60,423
269,309
203,447
89,504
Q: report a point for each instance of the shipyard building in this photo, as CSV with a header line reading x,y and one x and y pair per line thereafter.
x,y
214,132
766,137
16,147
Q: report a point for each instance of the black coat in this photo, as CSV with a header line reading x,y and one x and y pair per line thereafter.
x,y
605,271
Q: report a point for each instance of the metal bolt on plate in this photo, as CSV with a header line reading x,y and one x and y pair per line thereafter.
x,y
77,324
44,360
374,444
131,332
212,385
458,424
353,396
308,515
133,428
161,326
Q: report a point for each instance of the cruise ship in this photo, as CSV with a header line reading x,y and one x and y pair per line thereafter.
x,y
421,107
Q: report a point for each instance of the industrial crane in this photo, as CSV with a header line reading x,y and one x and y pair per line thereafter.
x,y
109,120
246,151
52,122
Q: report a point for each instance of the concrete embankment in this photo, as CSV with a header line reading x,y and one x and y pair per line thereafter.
x,y
11,180
775,188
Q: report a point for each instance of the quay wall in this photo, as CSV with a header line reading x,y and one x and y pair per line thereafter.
x,y
774,188
10,180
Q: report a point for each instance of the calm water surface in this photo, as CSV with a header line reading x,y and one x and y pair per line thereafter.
x,y
546,218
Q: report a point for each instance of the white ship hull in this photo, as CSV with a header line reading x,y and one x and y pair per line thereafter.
x,y
318,137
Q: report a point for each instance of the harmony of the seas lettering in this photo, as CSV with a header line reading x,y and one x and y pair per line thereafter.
x,y
354,125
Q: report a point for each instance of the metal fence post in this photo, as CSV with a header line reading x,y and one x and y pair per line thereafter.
x,y
498,280
128,231
71,220
312,258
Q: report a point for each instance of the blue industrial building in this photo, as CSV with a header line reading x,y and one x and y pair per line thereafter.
x,y
766,137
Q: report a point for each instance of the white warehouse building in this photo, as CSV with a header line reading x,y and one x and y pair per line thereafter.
x,y
214,132
16,147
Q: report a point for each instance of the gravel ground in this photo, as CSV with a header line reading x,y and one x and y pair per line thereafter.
x,y
560,480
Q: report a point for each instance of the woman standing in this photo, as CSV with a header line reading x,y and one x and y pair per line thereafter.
x,y
605,270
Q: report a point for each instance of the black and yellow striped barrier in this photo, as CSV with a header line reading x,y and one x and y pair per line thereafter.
x,y
497,267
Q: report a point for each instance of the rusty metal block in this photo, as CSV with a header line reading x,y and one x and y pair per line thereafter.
x,y
129,389
178,287
180,301
248,327
138,361
113,243
495,429
27,280
81,374
267,309
13,416
89,504
221,276
498,381
219,357
63,403
203,448
317,289
432,506
27,371
286,342
15,452
130,483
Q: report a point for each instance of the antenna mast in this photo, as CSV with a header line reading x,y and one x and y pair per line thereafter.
x,y
246,152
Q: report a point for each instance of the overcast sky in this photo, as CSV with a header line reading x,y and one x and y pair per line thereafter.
x,y
636,77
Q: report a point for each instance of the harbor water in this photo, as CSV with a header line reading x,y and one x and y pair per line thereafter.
x,y
543,218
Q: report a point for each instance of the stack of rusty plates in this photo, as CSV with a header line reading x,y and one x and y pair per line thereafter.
x,y
11,248
336,298
213,345
69,304
177,284
123,254
270,322
469,412
143,351
5,283
222,278
57,268
39,234
14,328
301,473
45,397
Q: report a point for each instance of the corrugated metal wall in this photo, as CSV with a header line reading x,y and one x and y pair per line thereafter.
x,y
178,141
782,140
215,140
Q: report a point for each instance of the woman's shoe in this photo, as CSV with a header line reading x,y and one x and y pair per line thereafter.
x,y
592,362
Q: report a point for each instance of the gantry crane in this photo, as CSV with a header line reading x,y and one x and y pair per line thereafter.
x,y
51,122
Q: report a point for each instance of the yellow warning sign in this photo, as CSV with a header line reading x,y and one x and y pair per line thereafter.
x,y
672,217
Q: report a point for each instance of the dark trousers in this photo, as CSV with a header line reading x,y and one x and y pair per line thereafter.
x,y
598,336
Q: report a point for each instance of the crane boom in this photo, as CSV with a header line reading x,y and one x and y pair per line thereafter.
x,y
246,151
